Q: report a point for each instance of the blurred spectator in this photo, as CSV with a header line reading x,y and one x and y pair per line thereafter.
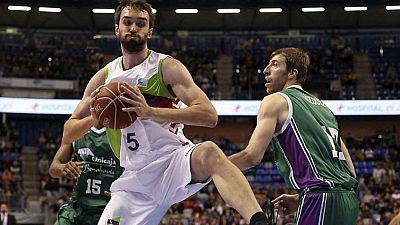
x,y
392,76
368,198
21,195
369,154
15,170
44,166
42,138
6,218
378,172
359,154
6,194
6,178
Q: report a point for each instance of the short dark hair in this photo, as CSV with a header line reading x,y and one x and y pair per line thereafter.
x,y
140,5
295,59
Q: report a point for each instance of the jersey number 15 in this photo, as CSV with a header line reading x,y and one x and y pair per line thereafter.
x,y
93,186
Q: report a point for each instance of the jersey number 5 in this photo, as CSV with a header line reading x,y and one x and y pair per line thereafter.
x,y
131,140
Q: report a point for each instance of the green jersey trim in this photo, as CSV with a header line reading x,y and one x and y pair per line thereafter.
x,y
114,138
156,85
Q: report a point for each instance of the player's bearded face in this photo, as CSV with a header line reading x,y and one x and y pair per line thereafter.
x,y
133,29
133,43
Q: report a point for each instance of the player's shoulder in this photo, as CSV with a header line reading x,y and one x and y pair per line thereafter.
x,y
100,76
275,99
171,63
174,71
158,55
273,104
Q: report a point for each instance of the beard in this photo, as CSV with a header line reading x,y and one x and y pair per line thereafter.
x,y
133,45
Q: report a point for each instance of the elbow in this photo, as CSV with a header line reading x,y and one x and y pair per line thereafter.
x,y
66,138
52,172
253,160
212,119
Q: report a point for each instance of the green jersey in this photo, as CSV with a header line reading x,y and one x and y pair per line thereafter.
x,y
308,147
100,170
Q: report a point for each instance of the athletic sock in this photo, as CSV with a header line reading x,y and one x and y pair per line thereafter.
x,y
259,218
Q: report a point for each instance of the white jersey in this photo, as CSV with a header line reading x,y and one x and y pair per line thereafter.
x,y
145,140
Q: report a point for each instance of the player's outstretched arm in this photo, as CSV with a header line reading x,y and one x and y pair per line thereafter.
x,y
61,166
82,118
268,117
200,111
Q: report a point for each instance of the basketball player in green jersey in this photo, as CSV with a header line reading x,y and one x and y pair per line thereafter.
x,y
308,149
94,168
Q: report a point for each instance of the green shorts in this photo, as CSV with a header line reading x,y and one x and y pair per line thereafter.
x,y
77,213
331,207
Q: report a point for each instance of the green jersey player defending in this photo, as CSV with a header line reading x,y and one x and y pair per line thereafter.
x,y
308,149
94,168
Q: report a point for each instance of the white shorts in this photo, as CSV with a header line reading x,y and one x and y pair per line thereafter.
x,y
143,197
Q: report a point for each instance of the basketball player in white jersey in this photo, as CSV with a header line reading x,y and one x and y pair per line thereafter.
x,y
162,167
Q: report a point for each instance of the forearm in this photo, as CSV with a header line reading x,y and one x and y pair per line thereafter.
x,y
195,115
243,160
76,128
56,169
351,167
348,158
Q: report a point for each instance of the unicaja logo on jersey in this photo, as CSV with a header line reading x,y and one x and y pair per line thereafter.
x,y
102,160
84,153
142,82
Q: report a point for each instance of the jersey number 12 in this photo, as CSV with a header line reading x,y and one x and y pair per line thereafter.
x,y
333,137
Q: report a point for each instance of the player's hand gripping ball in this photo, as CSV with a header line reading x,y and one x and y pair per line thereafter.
x,y
108,107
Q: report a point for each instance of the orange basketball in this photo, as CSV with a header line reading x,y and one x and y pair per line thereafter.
x,y
108,107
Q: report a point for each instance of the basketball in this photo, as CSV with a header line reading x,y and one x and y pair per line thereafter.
x,y
108,107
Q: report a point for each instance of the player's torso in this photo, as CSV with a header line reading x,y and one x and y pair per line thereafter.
x,y
145,140
307,149
100,170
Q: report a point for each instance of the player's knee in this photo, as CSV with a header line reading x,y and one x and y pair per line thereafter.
x,y
213,155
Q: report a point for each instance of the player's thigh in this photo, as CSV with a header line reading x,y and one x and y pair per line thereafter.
x,y
341,208
330,208
177,183
131,208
